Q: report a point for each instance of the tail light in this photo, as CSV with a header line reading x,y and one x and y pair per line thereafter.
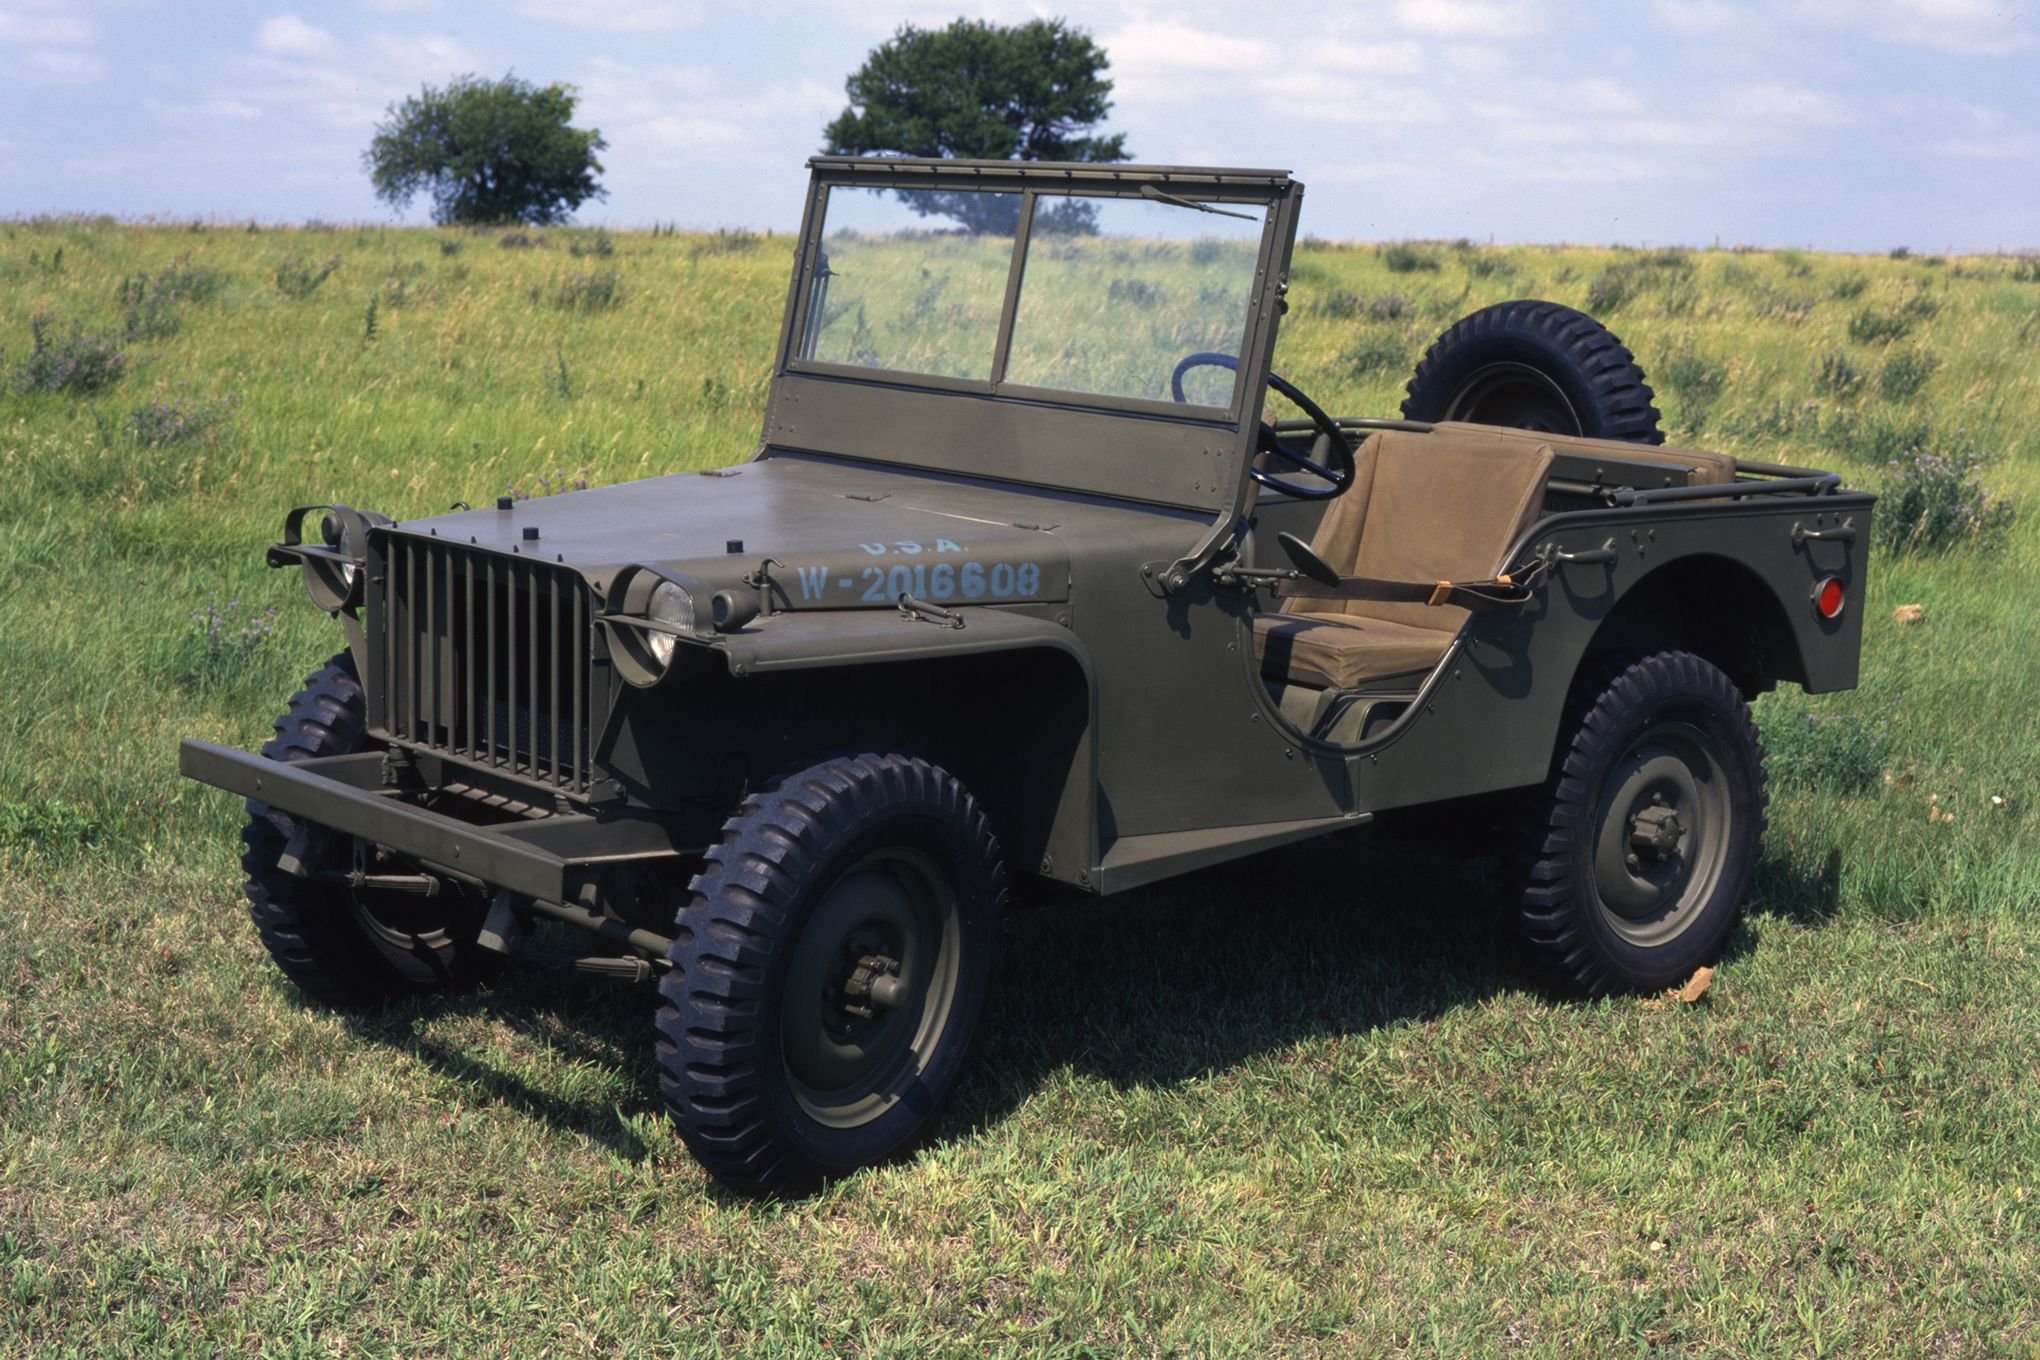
x,y
1829,598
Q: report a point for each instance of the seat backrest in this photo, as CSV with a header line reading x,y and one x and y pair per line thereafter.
x,y
1428,507
1703,467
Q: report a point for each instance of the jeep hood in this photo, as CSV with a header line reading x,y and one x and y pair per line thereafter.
x,y
836,536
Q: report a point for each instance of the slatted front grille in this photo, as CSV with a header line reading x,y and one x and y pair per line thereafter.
x,y
486,657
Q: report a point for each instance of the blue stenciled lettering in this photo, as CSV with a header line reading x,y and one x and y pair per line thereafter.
x,y
943,545
814,582
973,580
1002,580
874,585
1030,578
875,549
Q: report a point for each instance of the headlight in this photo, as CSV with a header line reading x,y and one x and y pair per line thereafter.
x,y
669,604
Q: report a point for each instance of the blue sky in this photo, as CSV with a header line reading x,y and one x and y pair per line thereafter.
x,y
1843,124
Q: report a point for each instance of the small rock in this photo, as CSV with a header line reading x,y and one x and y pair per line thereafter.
x,y
1908,614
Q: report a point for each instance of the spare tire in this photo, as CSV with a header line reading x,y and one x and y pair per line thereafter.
x,y
1535,366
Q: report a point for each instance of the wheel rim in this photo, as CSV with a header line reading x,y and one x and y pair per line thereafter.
x,y
1516,395
853,1046
1661,834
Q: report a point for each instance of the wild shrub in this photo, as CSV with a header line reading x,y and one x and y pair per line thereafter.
x,y
1905,373
222,641
1696,380
1611,289
147,313
1372,354
1837,374
1405,257
1931,502
188,418
594,291
521,240
78,361
1848,287
724,241
1341,304
406,285
47,827
1795,263
183,281
298,277
1881,325
1388,307
1901,252
1484,264
2024,269
1828,752
449,245
601,245
1133,292
558,380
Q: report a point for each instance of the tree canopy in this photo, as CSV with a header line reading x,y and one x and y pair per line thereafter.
x,y
1032,91
487,151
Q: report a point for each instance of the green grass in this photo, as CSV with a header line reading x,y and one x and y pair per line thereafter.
x,y
1307,1104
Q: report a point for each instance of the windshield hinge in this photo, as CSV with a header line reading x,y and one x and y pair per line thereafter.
x,y
1160,196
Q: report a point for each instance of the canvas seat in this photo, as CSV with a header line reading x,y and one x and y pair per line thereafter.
x,y
1422,507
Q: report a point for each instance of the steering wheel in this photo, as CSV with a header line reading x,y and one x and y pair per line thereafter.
x,y
1335,474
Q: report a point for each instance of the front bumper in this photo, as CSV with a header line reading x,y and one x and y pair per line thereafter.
x,y
547,859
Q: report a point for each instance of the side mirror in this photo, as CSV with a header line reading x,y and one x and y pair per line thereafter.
x,y
1305,560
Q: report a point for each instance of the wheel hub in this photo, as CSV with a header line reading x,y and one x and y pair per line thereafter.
x,y
1661,835
870,984
869,987
1656,831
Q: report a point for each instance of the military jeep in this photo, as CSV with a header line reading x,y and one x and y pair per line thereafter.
x,y
1024,587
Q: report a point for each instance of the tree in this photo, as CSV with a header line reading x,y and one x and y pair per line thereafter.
x,y
487,151
1028,92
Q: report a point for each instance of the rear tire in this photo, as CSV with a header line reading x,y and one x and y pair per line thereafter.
x,y
345,947
1535,366
1643,844
781,1059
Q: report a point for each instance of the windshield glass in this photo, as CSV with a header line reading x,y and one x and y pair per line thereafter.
x,y
1117,294
908,282
1119,291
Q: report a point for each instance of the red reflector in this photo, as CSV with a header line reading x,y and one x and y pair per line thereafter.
x,y
1828,598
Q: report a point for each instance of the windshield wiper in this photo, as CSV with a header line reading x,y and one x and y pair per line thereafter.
x,y
1150,191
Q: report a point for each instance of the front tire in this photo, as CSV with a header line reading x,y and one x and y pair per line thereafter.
x,y
1643,844
347,947
829,971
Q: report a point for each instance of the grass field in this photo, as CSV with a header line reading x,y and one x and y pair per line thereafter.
x,y
1307,1104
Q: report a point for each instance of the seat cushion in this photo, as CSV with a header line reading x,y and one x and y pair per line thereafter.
x,y
1343,651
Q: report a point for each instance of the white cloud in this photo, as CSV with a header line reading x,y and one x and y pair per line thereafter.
x,y
289,36
618,16
1477,19
1976,28
19,27
61,68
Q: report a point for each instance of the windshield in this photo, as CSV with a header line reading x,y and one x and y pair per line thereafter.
x,y
1115,294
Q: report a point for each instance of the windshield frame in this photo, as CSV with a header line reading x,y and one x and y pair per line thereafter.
x,y
898,416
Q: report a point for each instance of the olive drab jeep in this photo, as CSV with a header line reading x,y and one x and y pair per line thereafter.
x,y
1021,587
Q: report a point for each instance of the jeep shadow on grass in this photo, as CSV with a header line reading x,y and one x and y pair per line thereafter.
x,y
1028,591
